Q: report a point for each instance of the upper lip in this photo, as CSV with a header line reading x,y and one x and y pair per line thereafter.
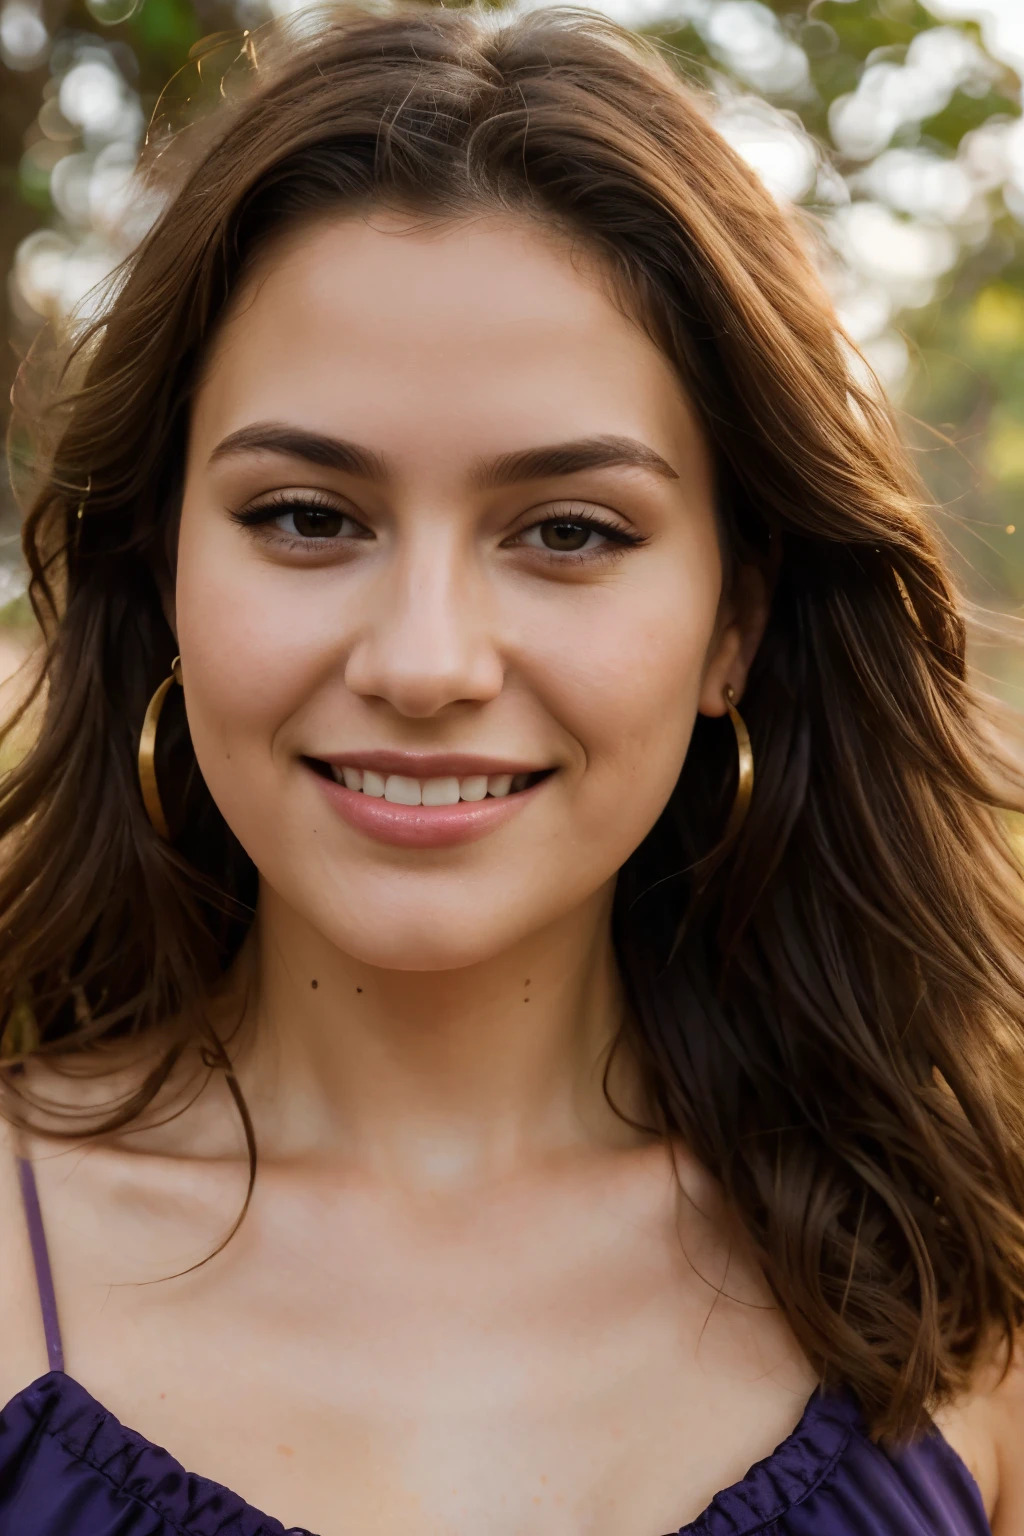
x,y
430,765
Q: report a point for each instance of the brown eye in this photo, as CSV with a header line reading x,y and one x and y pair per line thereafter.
x,y
317,522
565,537
572,533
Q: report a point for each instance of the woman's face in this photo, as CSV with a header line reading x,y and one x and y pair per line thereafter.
x,y
448,537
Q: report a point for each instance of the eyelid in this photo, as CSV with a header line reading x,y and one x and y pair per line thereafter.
x,y
284,501
583,512
259,522
571,507
619,535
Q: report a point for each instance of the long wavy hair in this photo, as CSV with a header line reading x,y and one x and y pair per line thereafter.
x,y
829,1009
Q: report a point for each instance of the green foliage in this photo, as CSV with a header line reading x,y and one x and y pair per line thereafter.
x,y
964,405
17,614
162,32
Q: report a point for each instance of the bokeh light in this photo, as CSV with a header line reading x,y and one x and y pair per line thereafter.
x,y
894,126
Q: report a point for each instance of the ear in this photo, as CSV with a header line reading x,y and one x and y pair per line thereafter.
x,y
167,604
166,571
742,617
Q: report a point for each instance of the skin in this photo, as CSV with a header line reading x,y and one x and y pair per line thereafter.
x,y
466,1291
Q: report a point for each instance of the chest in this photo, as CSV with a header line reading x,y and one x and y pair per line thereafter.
x,y
345,1366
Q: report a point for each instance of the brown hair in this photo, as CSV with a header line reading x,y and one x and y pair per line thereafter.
x,y
829,1010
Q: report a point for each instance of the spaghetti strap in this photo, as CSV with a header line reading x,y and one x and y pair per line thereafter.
x,y
41,1260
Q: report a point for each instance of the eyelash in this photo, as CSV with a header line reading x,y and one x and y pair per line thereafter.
x,y
619,539
267,511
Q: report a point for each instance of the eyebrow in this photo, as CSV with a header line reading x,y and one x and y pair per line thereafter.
x,y
569,458
554,459
296,443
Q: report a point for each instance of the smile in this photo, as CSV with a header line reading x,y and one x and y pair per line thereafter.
x,y
398,789
428,809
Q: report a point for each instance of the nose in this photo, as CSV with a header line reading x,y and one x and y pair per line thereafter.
x,y
428,638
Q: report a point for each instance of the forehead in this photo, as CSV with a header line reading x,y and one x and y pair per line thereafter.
x,y
405,334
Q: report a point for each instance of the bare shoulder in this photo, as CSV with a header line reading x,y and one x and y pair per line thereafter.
x,y
52,1093
986,1429
1004,1414
23,1356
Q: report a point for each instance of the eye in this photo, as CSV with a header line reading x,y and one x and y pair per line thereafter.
x,y
577,533
301,519
565,537
312,522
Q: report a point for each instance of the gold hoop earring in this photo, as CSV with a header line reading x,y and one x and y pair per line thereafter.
x,y
147,754
745,767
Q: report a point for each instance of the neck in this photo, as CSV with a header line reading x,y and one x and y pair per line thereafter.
x,y
438,1078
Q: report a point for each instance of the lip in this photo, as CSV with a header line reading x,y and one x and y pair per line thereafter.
x,y
422,826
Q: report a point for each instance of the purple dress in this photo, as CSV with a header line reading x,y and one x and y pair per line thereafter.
x,y
69,1468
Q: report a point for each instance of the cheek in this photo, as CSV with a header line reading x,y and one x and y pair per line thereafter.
x,y
248,652
628,683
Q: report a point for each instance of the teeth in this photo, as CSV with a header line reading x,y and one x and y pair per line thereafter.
x,y
400,790
441,791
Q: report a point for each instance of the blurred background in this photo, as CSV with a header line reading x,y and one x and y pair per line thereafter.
x,y
896,125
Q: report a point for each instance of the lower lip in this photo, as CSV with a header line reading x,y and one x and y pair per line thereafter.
x,y
424,826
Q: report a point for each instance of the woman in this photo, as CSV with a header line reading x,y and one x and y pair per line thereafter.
x,y
507,764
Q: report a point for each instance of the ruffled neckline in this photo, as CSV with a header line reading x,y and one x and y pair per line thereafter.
x,y
787,1475
134,1466
147,1473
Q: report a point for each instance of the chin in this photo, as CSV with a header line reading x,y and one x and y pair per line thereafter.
x,y
423,921
421,946
416,935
